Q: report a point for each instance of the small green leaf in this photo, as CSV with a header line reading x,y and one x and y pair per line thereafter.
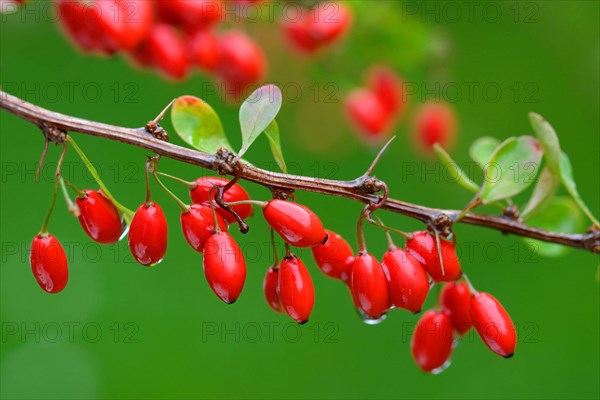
x,y
454,170
198,124
272,133
482,149
560,215
512,168
548,140
566,175
542,192
257,112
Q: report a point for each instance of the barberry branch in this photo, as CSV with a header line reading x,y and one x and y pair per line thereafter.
x,y
363,189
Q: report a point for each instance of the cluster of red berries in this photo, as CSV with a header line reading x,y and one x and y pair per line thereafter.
x,y
402,280
171,36
375,109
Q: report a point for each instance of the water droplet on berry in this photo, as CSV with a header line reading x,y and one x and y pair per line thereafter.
x,y
368,320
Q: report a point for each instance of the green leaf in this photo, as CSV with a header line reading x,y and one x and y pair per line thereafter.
x,y
198,124
512,168
272,133
454,170
566,175
542,192
257,112
482,149
548,140
560,215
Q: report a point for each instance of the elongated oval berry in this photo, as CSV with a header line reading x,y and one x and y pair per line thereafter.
x,y
49,263
224,267
271,289
295,223
435,123
369,285
335,257
99,217
296,290
241,61
423,247
203,48
164,48
148,234
431,344
493,324
198,225
455,300
407,280
199,195
387,86
368,114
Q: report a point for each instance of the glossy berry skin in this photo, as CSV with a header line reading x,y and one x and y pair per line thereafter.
x,y
165,49
387,86
455,300
199,195
295,223
296,290
431,344
198,225
99,217
369,285
271,289
493,324
317,28
49,263
408,282
203,49
148,235
335,257
368,114
224,267
241,61
435,123
423,247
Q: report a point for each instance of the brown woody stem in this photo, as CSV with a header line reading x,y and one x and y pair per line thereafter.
x,y
362,189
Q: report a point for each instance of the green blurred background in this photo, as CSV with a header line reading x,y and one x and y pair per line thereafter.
x,y
120,330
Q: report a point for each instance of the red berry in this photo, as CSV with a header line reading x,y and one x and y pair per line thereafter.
x,y
317,28
241,61
368,113
335,257
99,217
407,280
49,263
295,223
198,225
224,266
455,300
81,25
203,48
123,24
199,195
423,247
165,47
435,123
431,344
148,234
369,286
191,14
493,324
387,86
296,289
271,289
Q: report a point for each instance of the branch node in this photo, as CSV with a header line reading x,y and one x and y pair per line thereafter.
x,y
512,212
281,194
53,134
371,185
157,131
592,242
227,163
442,224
